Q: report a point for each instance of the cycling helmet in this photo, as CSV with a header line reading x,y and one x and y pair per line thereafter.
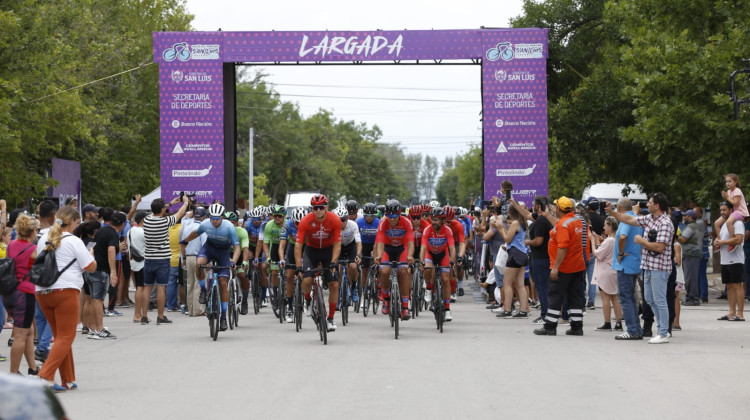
x,y
438,213
369,209
426,209
231,216
216,210
341,212
352,205
278,209
381,208
299,213
449,212
319,200
415,210
267,210
434,204
462,211
256,213
392,207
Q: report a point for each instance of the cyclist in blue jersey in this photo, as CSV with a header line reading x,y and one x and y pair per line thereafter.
x,y
287,239
368,229
221,237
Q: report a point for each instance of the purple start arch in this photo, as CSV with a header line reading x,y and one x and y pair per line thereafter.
x,y
196,89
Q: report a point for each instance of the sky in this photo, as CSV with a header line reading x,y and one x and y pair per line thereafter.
x,y
429,109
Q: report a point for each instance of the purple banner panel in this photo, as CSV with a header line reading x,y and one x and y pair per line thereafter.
x,y
191,114
514,75
352,45
67,173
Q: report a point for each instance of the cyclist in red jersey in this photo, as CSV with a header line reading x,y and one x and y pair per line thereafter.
x,y
438,238
419,225
460,240
395,242
320,231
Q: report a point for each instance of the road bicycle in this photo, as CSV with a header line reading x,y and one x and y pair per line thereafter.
x,y
317,306
235,299
213,307
255,288
417,289
344,292
437,306
371,291
394,314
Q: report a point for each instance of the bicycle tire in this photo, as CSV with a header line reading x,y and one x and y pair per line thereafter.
x,y
237,302
230,310
344,304
297,304
437,298
322,316
365,296
415,305
395,296
216,310
256,291
281,298
358,303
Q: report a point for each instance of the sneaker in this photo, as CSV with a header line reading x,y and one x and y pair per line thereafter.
x,y
306,307
386,307
460,291
493,306
498,310
331,325
544,331
92,334
658,340
628,336
448,316
453,297
289,317
202,297
428,296
604,327
108,313
676,328
41,355
591,306
104,334
117,313
3,358
405,315
164,320
57,388
538,321
571,331
618,326
79,327
71,386
33,372
264,303
223,325
171,309
505,314
536,305
124,304
243,308
521,314
355,296
144,320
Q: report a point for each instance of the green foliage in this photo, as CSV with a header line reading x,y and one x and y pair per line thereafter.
x,y
461,179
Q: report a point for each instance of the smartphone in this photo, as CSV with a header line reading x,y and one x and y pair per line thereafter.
x,y
91,245
507,195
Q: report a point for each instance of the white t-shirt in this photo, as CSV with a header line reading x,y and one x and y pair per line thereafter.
x,y
136,239
71,248
350,233
737,256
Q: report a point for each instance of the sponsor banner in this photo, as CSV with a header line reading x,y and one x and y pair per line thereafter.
x,y
191,113
515,112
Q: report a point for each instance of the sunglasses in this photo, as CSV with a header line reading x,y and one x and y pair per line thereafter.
x,y
256,219
278,215
353,212
344,219
415,217
392,216
215,217
319,207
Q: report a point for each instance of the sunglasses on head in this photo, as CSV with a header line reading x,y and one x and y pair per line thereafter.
x,y
319,207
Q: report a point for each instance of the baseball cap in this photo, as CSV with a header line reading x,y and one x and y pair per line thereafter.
x,y
691,213
565,204
199,212
90,207
591,203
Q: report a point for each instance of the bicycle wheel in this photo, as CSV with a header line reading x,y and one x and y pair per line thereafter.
x,y
256,291
437,299
232,305
216,311
237,302
297,304
395,307
281,298
358,303
365,297
344,303
415,305
322,317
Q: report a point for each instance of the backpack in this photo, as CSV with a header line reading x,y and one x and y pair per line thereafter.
x,y
8,280
44,272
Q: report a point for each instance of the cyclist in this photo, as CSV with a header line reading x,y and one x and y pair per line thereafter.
x,y
221,236
368,229
286,253
320,231
244,258
395,242
460,241
438,238
419,225
253,227
271,233
351,208
351,248
463,217
426,209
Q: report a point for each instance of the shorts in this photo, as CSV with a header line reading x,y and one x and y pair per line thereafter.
x,y
367,252
221,256
737,216
273,262
417,252
441,259
289,256
348,252
732,273
394,253
98,283
21,307
514,254
314,256
138,276
156,272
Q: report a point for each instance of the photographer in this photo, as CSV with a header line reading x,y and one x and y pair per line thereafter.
x,y
656,257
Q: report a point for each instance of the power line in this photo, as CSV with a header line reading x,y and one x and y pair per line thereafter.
x,y
374,87
368,98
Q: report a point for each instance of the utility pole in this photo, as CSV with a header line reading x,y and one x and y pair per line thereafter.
x,y
250,195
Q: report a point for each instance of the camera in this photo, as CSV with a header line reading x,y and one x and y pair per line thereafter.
x,y
652,235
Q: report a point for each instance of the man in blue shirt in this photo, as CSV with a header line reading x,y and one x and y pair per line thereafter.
x,y
627,263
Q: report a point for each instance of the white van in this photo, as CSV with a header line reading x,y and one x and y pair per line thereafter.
x,y
613,192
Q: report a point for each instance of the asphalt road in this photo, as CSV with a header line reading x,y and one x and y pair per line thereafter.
x,y
480,367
